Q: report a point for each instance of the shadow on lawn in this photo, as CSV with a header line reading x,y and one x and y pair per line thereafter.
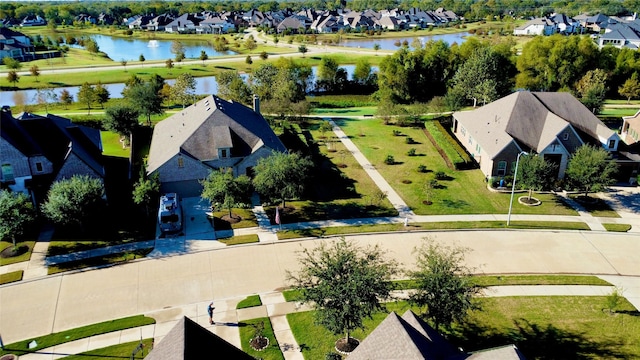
x,y
537,342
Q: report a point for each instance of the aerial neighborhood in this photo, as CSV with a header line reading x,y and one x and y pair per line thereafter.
x,y
350,180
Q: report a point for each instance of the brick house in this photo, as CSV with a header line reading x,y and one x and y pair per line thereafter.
x,y
210,134
36,151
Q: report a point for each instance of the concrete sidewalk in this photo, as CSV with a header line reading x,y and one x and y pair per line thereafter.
x,y
275,308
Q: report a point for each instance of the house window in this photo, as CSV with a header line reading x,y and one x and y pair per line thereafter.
x,y
180,162
463,131
502,168
223,153
39,167
7,173
565,136
470,140
612,144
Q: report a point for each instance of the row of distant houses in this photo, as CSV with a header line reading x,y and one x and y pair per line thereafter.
x,y
321,21
621,32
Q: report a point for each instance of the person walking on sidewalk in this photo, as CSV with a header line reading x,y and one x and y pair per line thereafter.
x,y
210,312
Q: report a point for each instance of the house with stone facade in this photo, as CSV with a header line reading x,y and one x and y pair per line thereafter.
x,y
39,150
550,124
211,134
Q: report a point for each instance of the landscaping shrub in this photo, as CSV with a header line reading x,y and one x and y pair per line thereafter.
x,y
397,133
440,175
422,168
409,140
390,160
411,152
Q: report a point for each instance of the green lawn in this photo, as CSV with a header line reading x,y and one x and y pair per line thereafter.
x,y
120,351
99,261
112,145
554,327
24,249
242,218
437,225
247,331
249,301
502,280
617,227
62,337
464,193
11,277
351,111
344,191
240,239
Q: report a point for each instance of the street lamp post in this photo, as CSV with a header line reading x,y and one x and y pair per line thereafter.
x,y
513,185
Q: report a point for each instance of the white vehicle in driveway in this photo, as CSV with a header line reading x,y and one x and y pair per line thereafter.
x,y
170,213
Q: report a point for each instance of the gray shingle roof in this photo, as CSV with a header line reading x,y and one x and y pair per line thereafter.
x,y
209,124
531,118
190,341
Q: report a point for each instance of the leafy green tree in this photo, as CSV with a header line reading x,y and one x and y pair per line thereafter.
x,y
184,89
101,94
91,46
146,192
444,286
591,169
16,215
248,60
177,48
631,88
145,98
13,77
203,56
325,126
376,47
231,86
142,59
484,77
264,55
11,63
220,44
262,79
87,95
344,282
168,64
121,119
282,176
75,202
123,62
35,71
363,74
224,190
330,77
534,173
302,49
592,89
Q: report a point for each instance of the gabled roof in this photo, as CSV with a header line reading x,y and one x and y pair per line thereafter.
x,y
190,341
53,137
397,338
531,118
208,125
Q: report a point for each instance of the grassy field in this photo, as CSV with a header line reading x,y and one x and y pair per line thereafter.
x,y
551,327
465,192
346,191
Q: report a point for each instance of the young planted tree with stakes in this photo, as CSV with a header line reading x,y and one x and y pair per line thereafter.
x,y
225,191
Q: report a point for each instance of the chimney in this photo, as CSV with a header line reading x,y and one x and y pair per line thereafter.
x,y
256,103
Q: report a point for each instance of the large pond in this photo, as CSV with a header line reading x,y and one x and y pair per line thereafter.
x,y
130,49
118,49
204,85
392,43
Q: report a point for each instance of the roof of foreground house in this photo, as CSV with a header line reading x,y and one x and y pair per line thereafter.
x,y
532,118
204,127
189,341
410,338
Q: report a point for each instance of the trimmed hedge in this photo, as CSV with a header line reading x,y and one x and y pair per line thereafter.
x,y
454,151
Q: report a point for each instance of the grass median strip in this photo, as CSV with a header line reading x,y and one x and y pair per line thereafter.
x,y
99,261
11,277
120,351
62,337
440,225
249,301
617,227
240,239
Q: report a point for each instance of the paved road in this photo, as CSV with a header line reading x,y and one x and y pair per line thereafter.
x,y
55,303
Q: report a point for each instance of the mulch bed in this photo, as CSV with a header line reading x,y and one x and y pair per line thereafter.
x,y
10,252
345,347
259,343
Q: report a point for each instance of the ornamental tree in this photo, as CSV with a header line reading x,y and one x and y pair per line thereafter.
x,y
16,215
534,173
225,191
282,176
344,282
591,169
75,202
444,287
